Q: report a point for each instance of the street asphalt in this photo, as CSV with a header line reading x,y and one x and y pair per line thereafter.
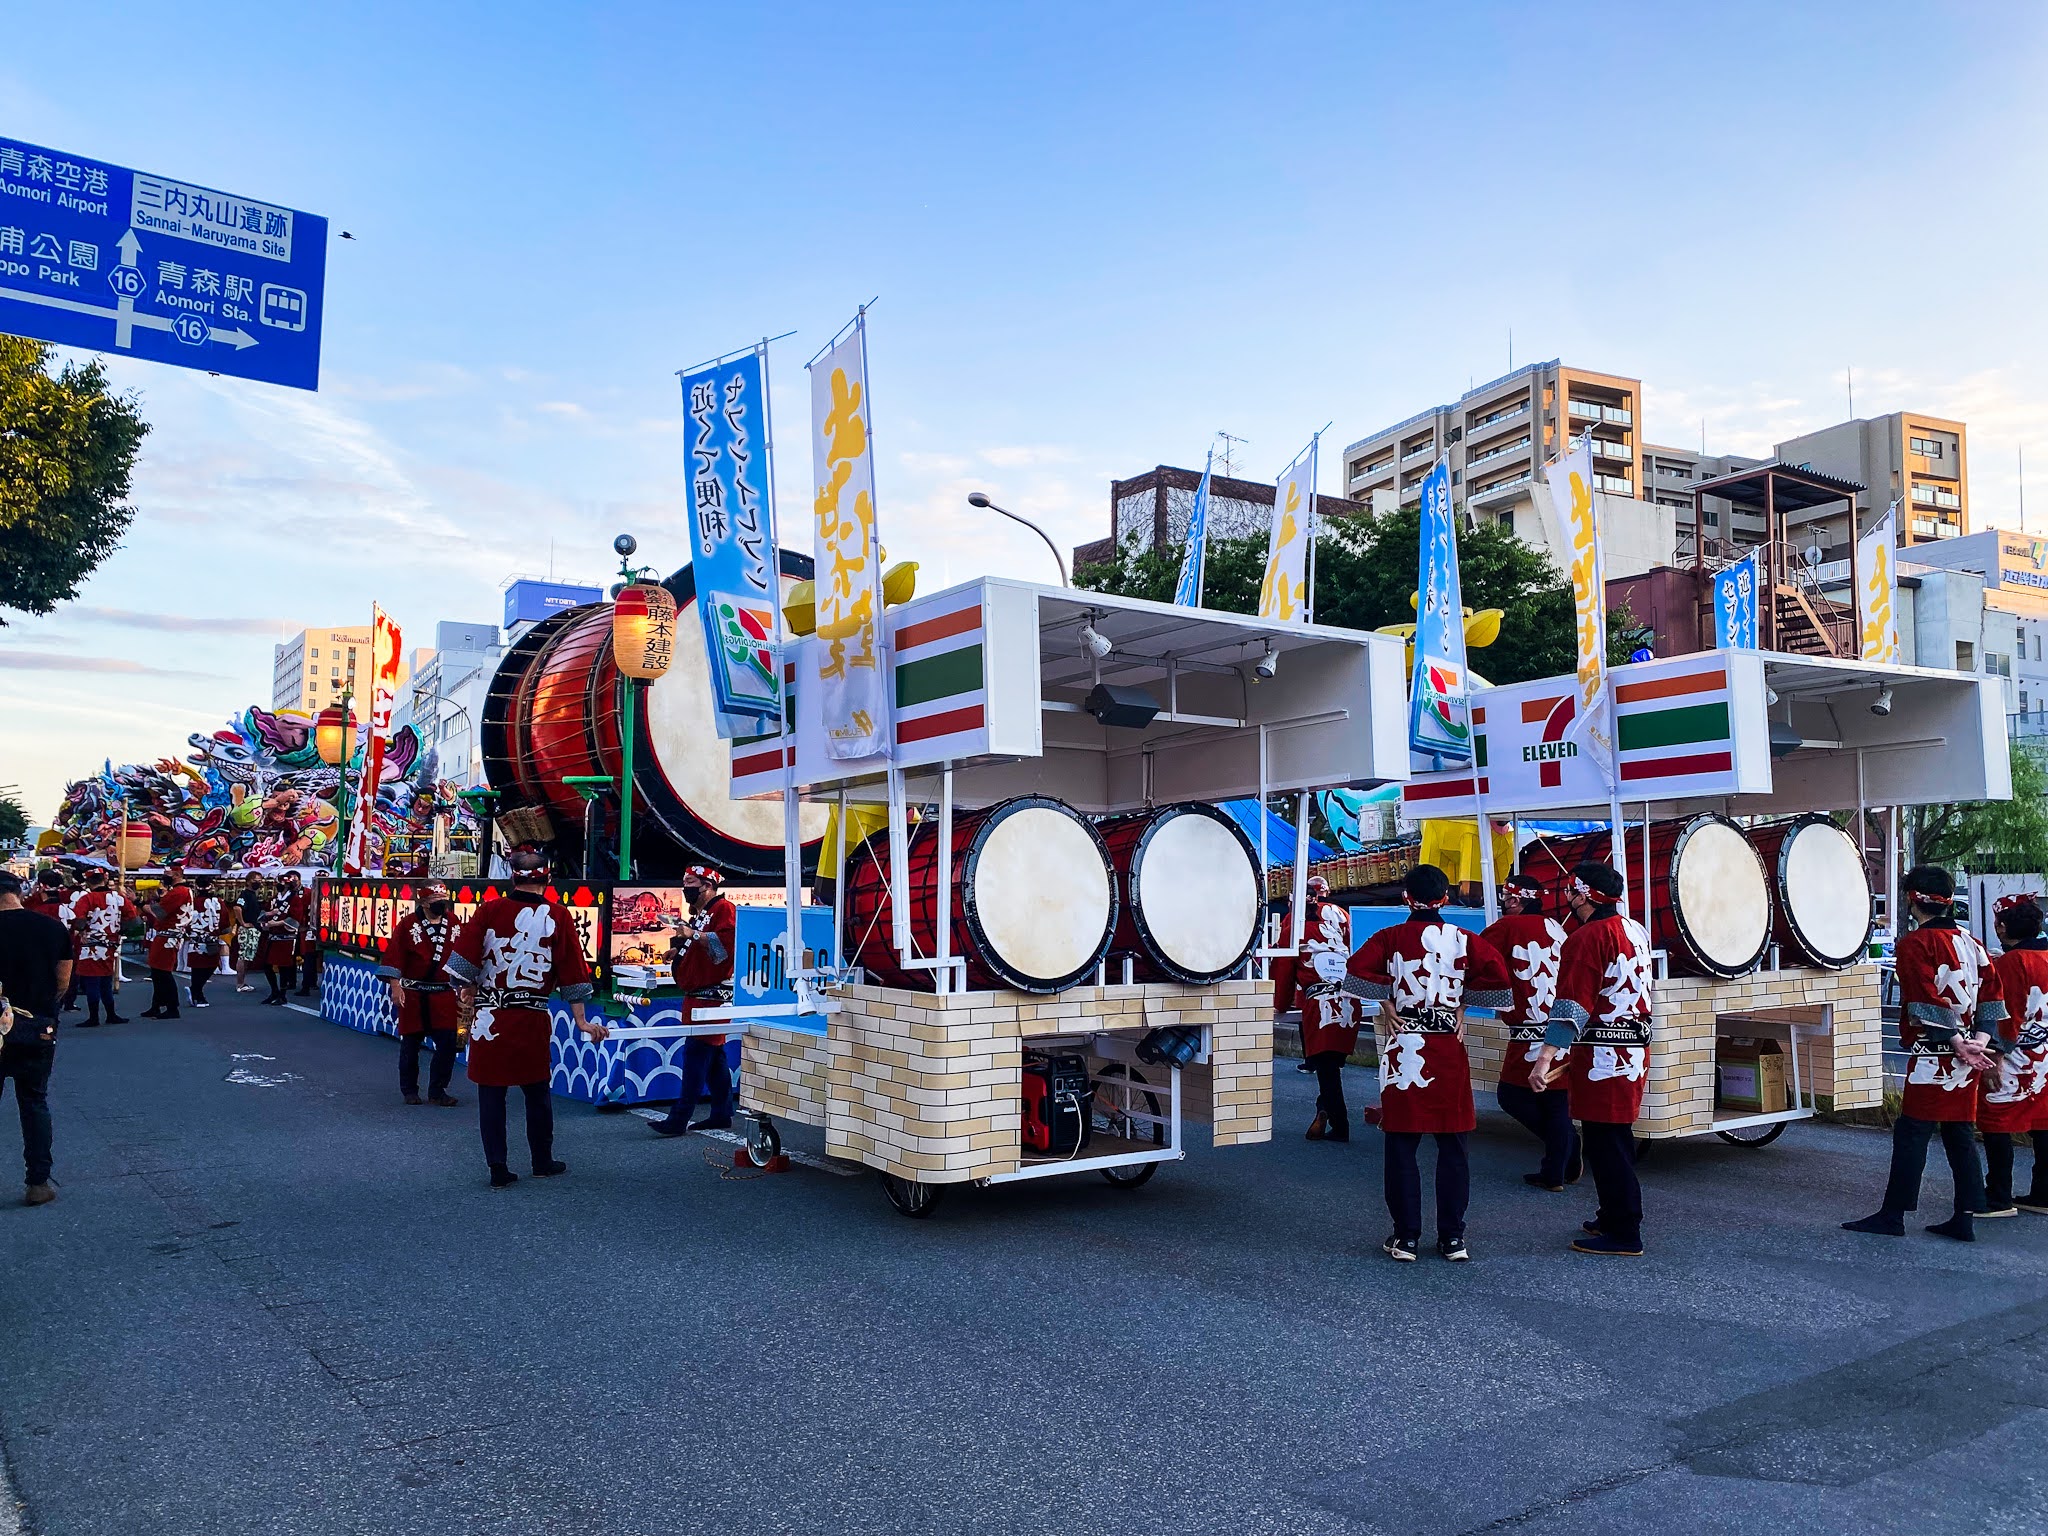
x,y
272,1298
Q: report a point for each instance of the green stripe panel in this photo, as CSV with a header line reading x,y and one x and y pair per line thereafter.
x,y
1479,749
1673,727
938,677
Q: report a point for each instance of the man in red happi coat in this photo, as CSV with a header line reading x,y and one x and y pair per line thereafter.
x,y
1599,1038
416,966
166,939
1532,943
511,956
2012,1099
1950,1004
1329,1016
284,924
1424,973
701,960
97,918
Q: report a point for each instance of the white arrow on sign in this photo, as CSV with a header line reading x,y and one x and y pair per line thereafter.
x,y
125,317
124,308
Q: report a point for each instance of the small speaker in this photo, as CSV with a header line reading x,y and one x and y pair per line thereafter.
x,y
1132,708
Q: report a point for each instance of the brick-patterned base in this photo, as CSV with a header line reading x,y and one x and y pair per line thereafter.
x,y
1841,1040
928,1087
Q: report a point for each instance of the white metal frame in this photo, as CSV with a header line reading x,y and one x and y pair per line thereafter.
x,y
1118,1051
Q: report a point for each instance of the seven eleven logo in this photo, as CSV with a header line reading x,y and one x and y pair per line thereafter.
x,y
1550,749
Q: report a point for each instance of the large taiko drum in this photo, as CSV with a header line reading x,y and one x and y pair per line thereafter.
x,y
1187,882
1710,902
553,712
1822,889
1032,897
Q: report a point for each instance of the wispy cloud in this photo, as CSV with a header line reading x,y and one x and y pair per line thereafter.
x,y
174,623
36,661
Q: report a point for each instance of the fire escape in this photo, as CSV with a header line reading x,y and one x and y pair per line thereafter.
x,y
1806,614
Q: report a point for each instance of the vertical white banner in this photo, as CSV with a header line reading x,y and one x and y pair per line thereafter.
x,y
1877,622
1284,592
1578,539
853,675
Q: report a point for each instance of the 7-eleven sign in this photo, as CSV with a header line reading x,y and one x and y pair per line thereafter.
x,y
1550,749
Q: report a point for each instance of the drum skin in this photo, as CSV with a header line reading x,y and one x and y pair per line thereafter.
x,y
1710,908
553,712
1817,876
1034,903
1187,892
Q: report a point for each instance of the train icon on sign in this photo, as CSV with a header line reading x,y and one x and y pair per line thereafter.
x,y
284,308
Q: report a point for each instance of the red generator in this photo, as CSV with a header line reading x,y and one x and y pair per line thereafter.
x,y
1058,1103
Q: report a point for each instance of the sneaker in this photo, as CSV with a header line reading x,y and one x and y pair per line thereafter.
x,y
549,1169
501,1176
1961,1228
413,1098
444,1101
1608,1247
245,987
1538,1181
2037,1205
1883,1224
38,1194
1453,1248
87,1024
1401,1249
1996,1212
664,1128
202,1005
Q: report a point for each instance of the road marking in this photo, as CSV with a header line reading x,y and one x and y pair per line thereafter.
x,y
302,1008
825,1165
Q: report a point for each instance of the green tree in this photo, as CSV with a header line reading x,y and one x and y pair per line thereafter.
x,y
67,453
1992,836
1365,575
13,819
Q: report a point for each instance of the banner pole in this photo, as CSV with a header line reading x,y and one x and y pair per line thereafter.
x,y
629,687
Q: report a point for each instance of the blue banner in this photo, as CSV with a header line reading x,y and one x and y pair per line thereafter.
x,y
732,541
1735,596
1189,593
1439,723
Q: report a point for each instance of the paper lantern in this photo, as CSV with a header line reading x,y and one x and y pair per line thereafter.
x,y
644,630
334,735
135,846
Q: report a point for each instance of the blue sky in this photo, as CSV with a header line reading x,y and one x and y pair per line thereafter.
x,y
1099,233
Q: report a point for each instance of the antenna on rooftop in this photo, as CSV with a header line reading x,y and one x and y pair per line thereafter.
x,y
1227,453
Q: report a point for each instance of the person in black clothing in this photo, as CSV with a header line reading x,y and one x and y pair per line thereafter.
x,y
35,968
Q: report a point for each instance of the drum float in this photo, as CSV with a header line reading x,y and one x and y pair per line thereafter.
x,y
1710,902
553,712
1033,900
1187,883
1822,887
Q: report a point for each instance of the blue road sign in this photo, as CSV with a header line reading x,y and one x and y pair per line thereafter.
x,y
120,261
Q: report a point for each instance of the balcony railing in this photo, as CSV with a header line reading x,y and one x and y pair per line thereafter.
x,y
1933,496
1520,445
1614,485
1603,449
1593,411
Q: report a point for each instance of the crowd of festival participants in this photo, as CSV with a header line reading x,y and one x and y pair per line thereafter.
x,y
1574,989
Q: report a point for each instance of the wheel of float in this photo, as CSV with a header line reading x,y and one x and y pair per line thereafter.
x,y
1753,1137
910,1198
764,1142
1113,1123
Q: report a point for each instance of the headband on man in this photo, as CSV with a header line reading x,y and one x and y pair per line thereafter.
x,y
2005,904
705,873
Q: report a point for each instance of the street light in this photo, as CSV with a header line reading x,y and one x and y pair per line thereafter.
x,y
334,733
980,499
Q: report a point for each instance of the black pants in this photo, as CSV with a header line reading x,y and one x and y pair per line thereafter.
x,y
309,971
438,1074
1610,1152
28,1063
706,1074
1404,1183
163,993
1329,1069
1548,1117
1909,1161
202,973
280,979
98,990
540,1122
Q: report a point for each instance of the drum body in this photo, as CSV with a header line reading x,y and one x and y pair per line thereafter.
x,y
1032,898
1710,902
1187,884
1822,889
553,712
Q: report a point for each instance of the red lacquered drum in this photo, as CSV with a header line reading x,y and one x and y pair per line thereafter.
x,y
1187,884
1710,902
1822,889
1033,900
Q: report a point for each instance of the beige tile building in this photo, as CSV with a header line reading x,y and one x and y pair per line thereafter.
x,y
316,667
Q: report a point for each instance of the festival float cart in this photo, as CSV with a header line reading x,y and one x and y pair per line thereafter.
x,y
1761,904
1049,954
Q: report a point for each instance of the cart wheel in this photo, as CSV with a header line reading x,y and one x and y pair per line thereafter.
x,y
1754,1136
1109,1120
917,1200
764,1142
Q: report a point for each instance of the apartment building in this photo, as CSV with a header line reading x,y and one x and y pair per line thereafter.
x,y
1669,478
1498,437
1915,459
315,667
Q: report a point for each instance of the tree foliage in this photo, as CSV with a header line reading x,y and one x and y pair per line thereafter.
x,y
1366,572
1992,836
67,453
13,819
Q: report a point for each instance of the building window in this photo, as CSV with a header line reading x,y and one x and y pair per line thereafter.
x,y
1712,520
316,654
1927,447
1966,656
1996,665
